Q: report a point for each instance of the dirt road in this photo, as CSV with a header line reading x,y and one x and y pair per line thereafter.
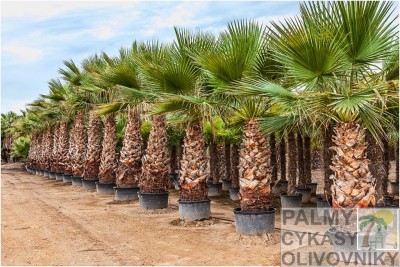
x,y
46,222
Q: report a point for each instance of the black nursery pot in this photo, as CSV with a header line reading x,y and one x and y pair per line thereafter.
x,y
76,180
194,210
66,179
226,184
124,194
394,188
214,190
291,201
313,187
234,193
306,193
104,189
254,222
153,201
89,184
388,201
46,174
57,177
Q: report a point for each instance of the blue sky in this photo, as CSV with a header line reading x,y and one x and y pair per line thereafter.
x,y
37,36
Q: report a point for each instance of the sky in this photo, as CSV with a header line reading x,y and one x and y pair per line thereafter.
x,y
37,36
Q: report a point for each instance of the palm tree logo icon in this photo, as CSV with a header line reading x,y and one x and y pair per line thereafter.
x,y
377,221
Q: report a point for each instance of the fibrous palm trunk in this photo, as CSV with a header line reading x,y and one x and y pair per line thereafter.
x,y
254,169
282,158
221,162
194,172
80,139
353,185
234,159
174,159
327,155
93,153
397,162
54,151
47,149
227,161
300,161
377,166
108,161
307,158
155,168
71,149
62,158
130,162
213,163
292,162
386,159
274,163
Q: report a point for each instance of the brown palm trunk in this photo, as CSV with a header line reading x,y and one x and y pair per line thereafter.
x,y
63,148
93,153
282,158
130,162
274,163
327,155
227,161
54,151
352,181
213,163
292,162
234,159
376,158
300,161
221,162
194,172
386,165
155,168
108,161
174,160
80,139
365,242
307,158
254,169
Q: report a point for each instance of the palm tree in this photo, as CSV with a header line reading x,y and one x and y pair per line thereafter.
x,y
108,160
371,220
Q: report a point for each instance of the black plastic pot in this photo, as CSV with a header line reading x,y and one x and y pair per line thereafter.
x,y
214,190
394,188
253,223
46,174
226,184
104,189
66,179
76,181
322,203
176,184
41,173
306,194
89,184
124,194
58,177
153,201
234,193
313,187
194,210
291,201
280,187
388,201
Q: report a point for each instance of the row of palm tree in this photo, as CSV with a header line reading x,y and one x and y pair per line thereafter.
x,y
329,74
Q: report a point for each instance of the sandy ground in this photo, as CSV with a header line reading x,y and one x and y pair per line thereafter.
x,y
46,222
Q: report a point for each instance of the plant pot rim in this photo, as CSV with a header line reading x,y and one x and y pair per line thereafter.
x,y
98,182
148,193
303,189
312,183
239,211
116,187
235,188
283,181
394,182
214,184
295,195
192,201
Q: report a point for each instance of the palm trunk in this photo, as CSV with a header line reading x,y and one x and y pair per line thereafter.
x,y
234,159
282,158
108,160
397,162
227,161
93,153
376,159
194,172
221,162
63,147
307,158
300,161
352,181
71,149
54,150
292,161
213,163
274,163
174,160
327,155
80,139
365,242
181,142
130,163
254,169
155,168
386,165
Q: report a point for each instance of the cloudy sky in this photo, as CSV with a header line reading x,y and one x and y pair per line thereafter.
x,y
37,36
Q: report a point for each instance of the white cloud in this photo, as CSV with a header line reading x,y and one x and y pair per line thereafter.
x,y
22,51
14,105
111,27
43,10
